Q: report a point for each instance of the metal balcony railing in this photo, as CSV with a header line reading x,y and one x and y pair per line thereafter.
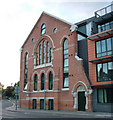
x,y
104,11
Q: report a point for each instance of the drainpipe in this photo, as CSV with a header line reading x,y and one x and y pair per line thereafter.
x,y
45,89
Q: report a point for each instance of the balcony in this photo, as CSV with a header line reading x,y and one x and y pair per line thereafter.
x,y
104,11
101,35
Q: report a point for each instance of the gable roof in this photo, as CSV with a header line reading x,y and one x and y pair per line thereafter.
x,y
68,23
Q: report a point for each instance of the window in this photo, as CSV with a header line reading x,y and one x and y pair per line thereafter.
x,y
51,104
32,40
40,55
50,54
43,29
47,52
50,81
54,30
42,81
35,82
105,26
42,104
104,47
37,59
105,95
65,64
105,71
26,70
43,52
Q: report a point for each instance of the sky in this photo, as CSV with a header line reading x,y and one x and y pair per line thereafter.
x,y
17,18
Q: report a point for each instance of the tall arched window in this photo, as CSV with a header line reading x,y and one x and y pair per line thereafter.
x,y
65,64
35,82
47,52
43,29
42,81
26,70
50,81
39,54
43,52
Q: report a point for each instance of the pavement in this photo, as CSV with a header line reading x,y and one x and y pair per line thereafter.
x,y
84,113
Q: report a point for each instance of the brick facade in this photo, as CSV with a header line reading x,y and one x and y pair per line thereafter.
x,y
63,98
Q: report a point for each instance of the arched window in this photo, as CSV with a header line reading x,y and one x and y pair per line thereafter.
x,y
39,54
47,52
50,81
43,29
65,64
26,70
42,81
43,52
35,82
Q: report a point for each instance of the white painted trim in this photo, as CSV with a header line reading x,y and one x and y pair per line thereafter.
x,y
31,98
77,84
65,89
79,59
50,98
43,65
40,91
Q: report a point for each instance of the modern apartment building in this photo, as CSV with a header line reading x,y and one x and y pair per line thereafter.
x,y
68,67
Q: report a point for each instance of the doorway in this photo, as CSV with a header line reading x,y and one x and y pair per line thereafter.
x,y
81,101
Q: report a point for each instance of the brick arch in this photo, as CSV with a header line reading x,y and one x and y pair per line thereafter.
x,y
79,83
42,71
62,39
50,70
35,72
41,38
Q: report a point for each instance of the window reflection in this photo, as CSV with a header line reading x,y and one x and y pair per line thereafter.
x,y
105,71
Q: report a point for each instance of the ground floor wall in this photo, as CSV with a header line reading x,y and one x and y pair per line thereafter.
x,y
100,107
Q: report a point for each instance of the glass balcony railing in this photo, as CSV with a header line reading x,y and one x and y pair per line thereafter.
x,y
104,11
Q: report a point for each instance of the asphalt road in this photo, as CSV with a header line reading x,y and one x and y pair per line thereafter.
x,y
46,114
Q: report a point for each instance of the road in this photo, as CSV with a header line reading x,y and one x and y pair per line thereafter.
x,y
45,114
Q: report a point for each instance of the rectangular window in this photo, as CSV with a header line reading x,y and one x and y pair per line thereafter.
x,y
105,71
105,26
105,95
104,47
42,104
51,104
47,52
50,54
37,59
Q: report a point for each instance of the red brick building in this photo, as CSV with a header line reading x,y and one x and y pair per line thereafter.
x,y
51,73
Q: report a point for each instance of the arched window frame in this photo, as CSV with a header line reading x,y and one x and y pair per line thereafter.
x,y
26,70
43,29
35,82
42,81
65,64
50,80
